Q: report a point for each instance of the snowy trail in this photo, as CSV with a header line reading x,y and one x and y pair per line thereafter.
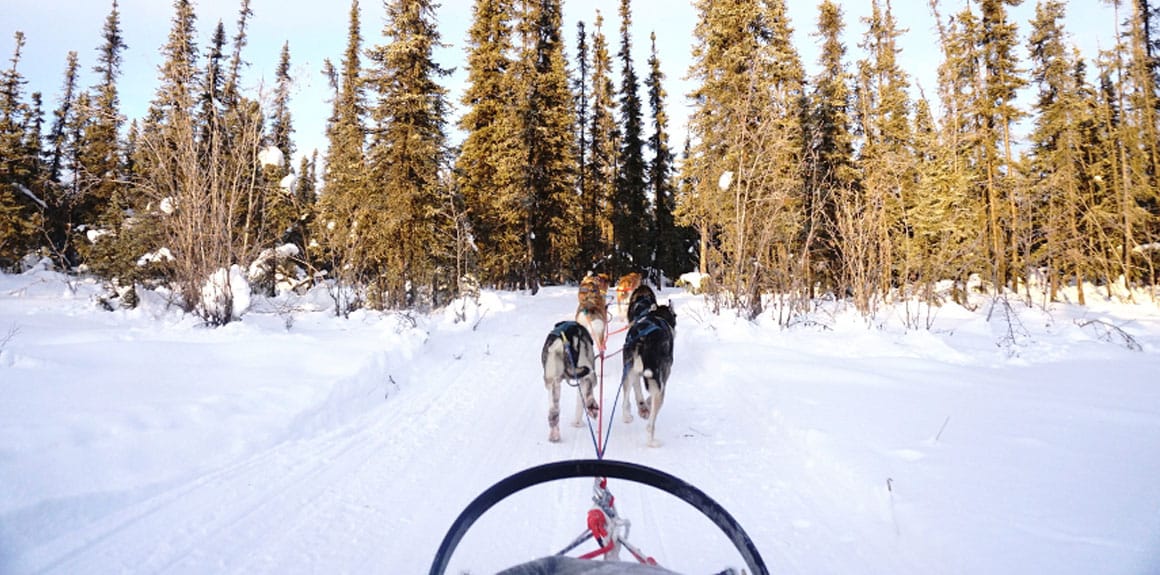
x,y
858,453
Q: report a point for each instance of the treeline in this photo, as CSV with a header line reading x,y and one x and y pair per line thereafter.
x,y
843,184
838,184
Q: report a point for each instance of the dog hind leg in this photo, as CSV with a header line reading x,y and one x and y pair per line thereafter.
x,y
625,389
586,400
656,397
632,378
649,385
553,385
579,408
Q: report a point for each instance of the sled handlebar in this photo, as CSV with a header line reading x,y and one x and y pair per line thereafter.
x,y
598,468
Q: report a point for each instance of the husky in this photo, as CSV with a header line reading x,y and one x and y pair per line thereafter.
x,y
593,284
568,354
643,300
593,315
592,311
648,354
625,287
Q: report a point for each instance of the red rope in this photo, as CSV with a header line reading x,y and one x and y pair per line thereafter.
x,y
600,413
601,551
598,523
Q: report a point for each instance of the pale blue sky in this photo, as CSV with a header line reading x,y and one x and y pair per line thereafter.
x,y
317,30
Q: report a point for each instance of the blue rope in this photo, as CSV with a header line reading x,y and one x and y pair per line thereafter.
x,y
648,328
611,419
600,449
591,432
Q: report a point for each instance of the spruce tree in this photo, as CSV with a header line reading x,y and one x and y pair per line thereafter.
x,y
996,112
241,126
211,98
954,173
884,159
233,77
101,156
830,172
169,165
341,205
604,153
485,166
282,207
65,140
589,241
746,162
1057,162
630,207
670,243
161,156
1142,88
59,146
1122,136
407,152
34,145
13,111
547,137
285,211
175,98
940,213
281,123
20,207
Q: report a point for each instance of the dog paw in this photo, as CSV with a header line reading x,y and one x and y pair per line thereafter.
x,y
627,416
643,410
593,411
655,443
554,435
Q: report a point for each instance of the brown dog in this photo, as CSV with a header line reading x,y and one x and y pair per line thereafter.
x,y
592,311
624,288
592,285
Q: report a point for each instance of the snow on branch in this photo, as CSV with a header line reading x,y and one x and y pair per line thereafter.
x,y
271,156
31,195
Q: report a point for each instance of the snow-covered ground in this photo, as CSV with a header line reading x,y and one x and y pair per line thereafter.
x,y
296,442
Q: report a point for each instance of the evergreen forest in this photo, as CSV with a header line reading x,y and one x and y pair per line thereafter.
x,y
789,187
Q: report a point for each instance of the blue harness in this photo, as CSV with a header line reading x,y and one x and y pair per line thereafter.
x,y
645,329
561,331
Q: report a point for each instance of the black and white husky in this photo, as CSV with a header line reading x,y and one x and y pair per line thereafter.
x,y
648,354
643,300
568,354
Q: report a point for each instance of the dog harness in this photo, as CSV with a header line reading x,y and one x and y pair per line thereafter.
x,y
573,354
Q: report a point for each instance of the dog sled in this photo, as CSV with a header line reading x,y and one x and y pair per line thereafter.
x,y
606,528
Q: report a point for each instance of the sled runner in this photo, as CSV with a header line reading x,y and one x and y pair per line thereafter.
x,y
605,526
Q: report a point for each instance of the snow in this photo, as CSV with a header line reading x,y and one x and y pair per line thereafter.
x,y
31,195
222,282
693,280
294,441
95,234
287,183
725,180
271,156
161,255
